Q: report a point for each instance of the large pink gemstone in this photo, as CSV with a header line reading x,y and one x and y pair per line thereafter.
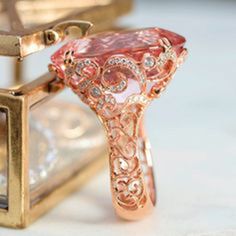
x,y
132,43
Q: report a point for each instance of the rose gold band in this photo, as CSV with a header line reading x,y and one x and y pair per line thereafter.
x,y
132,180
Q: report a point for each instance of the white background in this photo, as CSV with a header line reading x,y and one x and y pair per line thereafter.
x,y
193,134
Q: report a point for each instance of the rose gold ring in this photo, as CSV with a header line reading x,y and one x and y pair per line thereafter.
x,y
118,75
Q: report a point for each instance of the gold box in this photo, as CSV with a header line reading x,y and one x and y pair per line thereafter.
x,y
30,116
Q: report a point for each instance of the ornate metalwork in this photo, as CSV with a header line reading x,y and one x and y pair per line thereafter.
x,y
132,181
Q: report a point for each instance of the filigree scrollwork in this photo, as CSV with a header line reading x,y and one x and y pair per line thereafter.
x,y
124,158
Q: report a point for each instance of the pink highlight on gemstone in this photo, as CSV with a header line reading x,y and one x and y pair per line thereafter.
x,y
114,75
89,71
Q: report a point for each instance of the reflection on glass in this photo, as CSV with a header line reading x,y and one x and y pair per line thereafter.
x,y
63,137
3,158
43,11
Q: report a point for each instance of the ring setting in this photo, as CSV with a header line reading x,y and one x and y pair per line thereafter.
x,y
117,75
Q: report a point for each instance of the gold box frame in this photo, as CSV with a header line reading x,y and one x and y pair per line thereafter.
x,y
17,102
21,41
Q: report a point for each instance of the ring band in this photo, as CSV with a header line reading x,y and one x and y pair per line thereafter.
x,y
118,75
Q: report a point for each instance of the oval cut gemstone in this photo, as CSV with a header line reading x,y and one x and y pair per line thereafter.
x,y
120,65
132,43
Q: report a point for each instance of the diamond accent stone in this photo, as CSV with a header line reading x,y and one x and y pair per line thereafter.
x,y
87,62
95,92
149,62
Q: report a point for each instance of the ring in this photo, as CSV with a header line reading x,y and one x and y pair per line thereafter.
x,y
118,75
